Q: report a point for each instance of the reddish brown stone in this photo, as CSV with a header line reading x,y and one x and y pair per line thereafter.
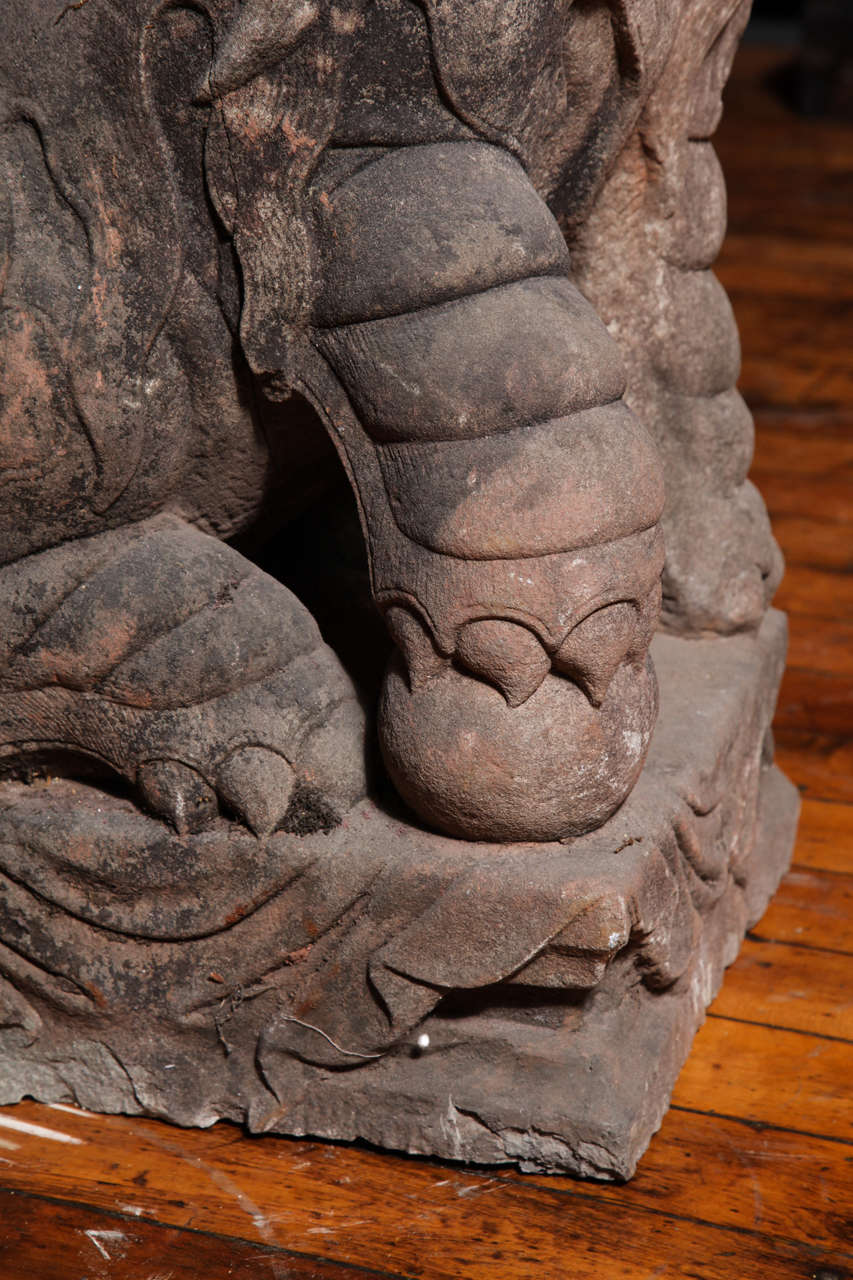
x,y
231,234
559,984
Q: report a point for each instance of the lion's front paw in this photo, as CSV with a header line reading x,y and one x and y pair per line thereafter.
x,y
164,655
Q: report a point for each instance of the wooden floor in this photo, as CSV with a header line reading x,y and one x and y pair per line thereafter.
x,y
751,1175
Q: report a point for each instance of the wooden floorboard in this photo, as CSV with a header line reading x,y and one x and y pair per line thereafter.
x,y
717,1193
774,983
769,1075
751,1173
813,908
821,764
49,1239
825,837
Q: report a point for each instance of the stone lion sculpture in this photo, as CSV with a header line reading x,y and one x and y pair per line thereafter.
x,y
212,215
468,244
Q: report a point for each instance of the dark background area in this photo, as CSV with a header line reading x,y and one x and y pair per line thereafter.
x,y
776,22
819,80
788,9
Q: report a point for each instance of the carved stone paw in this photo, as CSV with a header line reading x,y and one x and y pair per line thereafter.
x,y
161,655
479,768
510,497
723,564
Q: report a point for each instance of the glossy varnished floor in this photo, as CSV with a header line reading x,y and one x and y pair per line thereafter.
x,y
751,1175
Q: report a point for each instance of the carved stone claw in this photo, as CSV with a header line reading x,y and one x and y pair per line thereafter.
x,y
202,702
513,658
592,651
178,793
506,654
505,490
423,661
257,784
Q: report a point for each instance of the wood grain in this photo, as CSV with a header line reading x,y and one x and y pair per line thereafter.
x,y
438,1221
768,1075
825,837
817,649
813,908
821,764
748,1176
774,983
51,1240
815,700
816,542
820,595
819,270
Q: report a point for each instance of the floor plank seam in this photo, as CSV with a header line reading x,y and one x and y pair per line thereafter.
x,y
274,1250
803,946
848,804
630,1203
761,1126
809,870
778,1026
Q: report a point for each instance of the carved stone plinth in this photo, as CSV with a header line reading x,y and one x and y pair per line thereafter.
x,y
560,985
459,253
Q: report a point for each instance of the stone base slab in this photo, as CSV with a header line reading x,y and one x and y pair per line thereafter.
x,y
489,1003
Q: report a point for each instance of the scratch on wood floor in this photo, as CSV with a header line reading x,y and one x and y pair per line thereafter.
x,y
72,1111
100,1239
488,1185
38,1131
220,1179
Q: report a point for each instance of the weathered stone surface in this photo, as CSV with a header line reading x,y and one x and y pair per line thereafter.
x,y
356,206
664,200
560,985
243,244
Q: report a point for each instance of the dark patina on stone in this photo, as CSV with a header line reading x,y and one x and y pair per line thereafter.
x,y
460,253
559,985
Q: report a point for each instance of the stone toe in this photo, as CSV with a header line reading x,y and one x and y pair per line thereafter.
x,y
257,785
177,792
